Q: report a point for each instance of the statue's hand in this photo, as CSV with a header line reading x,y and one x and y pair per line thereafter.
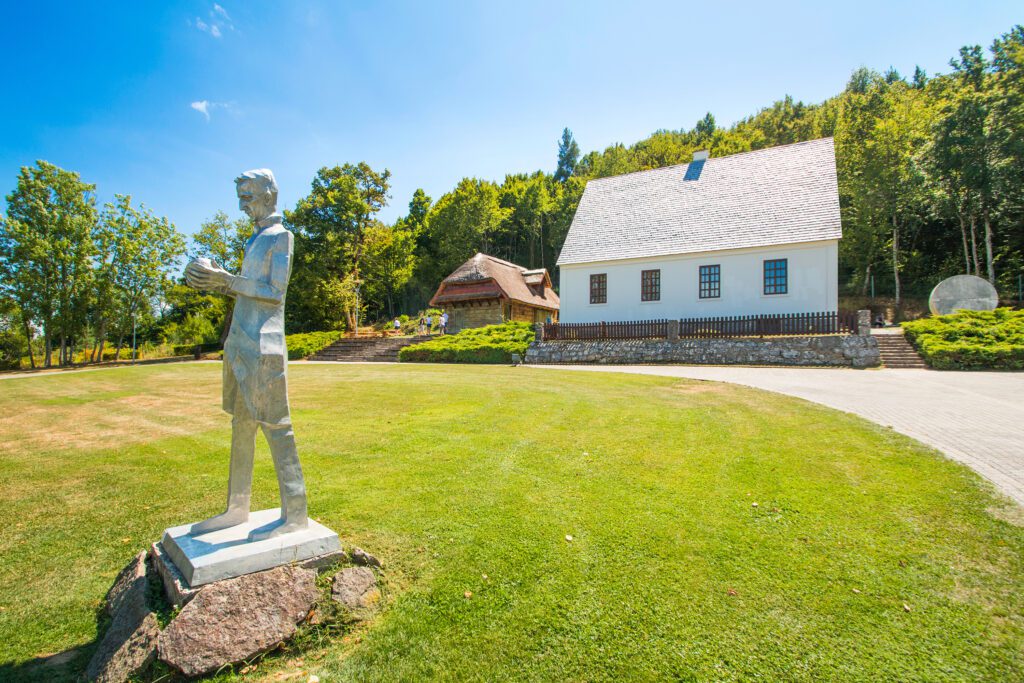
x,y
205,274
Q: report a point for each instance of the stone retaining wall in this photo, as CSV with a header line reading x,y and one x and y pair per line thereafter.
x,y
834,350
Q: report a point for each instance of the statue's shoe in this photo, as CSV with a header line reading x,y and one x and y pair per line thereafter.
x,y
278,528
222,521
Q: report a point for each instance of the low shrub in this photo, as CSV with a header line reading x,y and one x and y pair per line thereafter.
x,y
305,344
12,348
491,344
190,349
970,340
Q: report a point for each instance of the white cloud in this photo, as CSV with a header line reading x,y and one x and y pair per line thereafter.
x,y
219,20
206,107
203,107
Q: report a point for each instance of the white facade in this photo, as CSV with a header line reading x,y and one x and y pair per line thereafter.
x,y
812,284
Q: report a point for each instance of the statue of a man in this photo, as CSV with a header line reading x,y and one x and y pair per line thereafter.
x,y
256,360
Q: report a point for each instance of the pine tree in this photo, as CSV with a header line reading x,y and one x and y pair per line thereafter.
x,y
705,128
568,156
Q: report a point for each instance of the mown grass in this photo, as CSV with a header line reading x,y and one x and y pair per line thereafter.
x,y
451,473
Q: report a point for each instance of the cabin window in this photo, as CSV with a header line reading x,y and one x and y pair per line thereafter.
x,y
599,288
650,285
710,282
776,276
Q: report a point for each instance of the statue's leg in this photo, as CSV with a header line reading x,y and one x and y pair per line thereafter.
x,y
290,481
243,450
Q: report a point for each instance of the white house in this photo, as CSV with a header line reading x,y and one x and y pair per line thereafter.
x,y
746,234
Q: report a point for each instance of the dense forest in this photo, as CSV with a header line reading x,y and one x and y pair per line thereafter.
x,y
931,181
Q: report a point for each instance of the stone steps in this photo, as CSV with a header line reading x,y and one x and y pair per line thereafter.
x,y
897,352
367,350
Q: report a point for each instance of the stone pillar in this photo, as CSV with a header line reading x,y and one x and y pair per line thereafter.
x,y
673,330
863,323
538,332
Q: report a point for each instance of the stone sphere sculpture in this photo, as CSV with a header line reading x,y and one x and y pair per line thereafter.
x,y
963,292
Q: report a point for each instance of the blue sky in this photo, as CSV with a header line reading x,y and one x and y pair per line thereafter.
x,y
169,101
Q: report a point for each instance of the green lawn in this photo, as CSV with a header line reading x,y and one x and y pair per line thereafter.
x,y
867,556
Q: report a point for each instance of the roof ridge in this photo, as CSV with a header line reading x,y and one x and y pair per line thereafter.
x,y
709,159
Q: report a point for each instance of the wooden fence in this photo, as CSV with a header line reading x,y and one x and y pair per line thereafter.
x,y
790,324
638,329
725,327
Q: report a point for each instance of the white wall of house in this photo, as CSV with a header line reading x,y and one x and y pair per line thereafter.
x,y
812,284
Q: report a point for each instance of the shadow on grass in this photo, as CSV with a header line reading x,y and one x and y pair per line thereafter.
x,y
68,665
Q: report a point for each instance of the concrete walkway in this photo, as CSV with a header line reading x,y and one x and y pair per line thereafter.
x,y
976,418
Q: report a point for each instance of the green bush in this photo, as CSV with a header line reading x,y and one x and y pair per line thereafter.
x,y
12,348
970,340
305,344
491,344
189,349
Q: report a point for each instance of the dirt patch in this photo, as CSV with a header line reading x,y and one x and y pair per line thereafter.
x,y
109,422
1010,513
698,387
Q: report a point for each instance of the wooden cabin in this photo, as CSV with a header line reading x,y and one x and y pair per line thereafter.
x,y
488,291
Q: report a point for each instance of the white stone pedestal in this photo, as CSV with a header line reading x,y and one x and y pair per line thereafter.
x,y
228,553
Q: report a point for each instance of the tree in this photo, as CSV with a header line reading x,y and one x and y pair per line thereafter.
x,y
419,212
333,220
139,250
465,221
388,262
47,252
964,152
568,156
223,241
705,128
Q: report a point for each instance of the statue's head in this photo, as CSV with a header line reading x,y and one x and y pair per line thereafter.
x,y
257,193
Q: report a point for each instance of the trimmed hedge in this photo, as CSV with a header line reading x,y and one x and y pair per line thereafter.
x,y
305,344
970,340
491,344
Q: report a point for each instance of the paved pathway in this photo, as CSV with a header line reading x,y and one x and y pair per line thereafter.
x,y
976,418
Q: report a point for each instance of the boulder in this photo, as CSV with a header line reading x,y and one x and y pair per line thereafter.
x,y
127,580
130,642
325,562
233,620
356,588
126,649
360,556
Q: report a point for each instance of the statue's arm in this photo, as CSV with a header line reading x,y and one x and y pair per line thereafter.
x,y
273,288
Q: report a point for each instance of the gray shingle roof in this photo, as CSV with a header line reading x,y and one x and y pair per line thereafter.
x,y
779,195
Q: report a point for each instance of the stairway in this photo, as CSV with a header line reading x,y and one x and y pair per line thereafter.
x,y
896,352
367,349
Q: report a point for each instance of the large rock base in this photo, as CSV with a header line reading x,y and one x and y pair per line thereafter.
x,y
130,643
219,624
233,620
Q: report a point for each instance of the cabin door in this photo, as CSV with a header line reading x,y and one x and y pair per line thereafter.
x,y
458,320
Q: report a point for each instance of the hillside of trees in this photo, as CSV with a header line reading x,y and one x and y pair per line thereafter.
x,y
931,181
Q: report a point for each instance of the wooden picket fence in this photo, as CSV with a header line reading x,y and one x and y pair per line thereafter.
x,y
773,325
637,329
724,327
